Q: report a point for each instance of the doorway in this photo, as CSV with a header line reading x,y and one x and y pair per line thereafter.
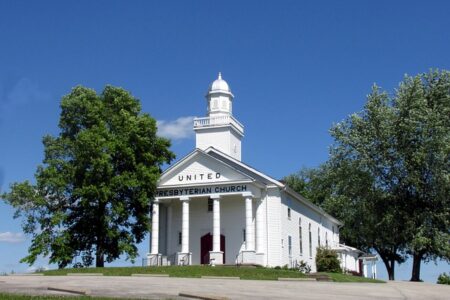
x,y
206,246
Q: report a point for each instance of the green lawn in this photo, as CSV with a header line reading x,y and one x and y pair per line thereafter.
x,y
28,297
338,277
198,271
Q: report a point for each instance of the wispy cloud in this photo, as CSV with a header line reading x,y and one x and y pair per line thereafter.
x,y
11,237
179,129
19,92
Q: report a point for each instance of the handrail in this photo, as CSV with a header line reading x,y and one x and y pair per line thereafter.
x,y
217,120
241,255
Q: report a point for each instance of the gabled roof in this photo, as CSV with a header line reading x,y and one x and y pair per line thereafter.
x,y
246,171
179,165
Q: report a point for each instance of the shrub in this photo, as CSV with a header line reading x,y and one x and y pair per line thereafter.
x,y
303,267
443,279
327,260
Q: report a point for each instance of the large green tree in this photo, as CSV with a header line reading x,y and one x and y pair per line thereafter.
x,y
422,135
91,196
388,176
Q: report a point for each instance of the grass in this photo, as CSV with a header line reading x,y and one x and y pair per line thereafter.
x,y
198,271
338,277
188,271
30,297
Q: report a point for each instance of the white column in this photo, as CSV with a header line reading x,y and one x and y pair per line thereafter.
x,y
249,238
375,270
365,269
155,228
259,228
216,224
169,228
185,225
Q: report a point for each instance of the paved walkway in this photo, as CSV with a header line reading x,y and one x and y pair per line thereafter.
x,y
169,288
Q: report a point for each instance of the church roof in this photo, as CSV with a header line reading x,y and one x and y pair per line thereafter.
x,y
243,172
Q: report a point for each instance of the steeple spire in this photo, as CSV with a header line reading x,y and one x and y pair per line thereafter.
x,y
219,129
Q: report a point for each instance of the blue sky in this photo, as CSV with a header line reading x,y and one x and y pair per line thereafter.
x,y
295,68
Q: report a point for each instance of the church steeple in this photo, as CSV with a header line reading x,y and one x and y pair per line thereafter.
x,y
219,129
219,97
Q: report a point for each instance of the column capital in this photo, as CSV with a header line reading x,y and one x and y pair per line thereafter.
x,y
247,195
215,196
155,200
184,198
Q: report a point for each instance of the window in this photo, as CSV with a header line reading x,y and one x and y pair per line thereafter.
x,y
243,234
332,237
318,236
310,241
290,245
289,213
210,204
179,238
300,238
326,239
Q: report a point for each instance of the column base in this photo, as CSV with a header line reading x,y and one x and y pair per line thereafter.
x,y
215,258
153,259
260,259
248,257
184,259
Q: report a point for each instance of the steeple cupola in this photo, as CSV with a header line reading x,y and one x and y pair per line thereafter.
x,y
219,97
219,129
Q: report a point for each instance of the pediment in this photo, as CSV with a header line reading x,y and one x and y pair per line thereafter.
x,y
200,168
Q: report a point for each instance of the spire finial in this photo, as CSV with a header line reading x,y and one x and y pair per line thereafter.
x,y
220,75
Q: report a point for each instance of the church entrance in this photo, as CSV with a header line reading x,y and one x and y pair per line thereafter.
x,y
206,246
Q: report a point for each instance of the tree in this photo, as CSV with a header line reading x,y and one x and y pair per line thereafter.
x,y
92,192
422,106
388,176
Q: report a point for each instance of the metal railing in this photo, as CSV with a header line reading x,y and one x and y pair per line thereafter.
x,y
239,258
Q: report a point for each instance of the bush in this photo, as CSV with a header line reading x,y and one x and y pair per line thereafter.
x,y
327,260
443,279
303,267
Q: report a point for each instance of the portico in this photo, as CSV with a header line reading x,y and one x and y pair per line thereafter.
x,y
203,218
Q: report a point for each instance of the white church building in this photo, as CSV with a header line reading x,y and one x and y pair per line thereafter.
x,y
211,208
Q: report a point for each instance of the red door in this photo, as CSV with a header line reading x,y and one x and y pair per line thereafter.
x,y
206,246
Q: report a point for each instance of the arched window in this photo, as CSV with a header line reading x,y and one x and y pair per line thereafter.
x,y
318,236
300,238
310,240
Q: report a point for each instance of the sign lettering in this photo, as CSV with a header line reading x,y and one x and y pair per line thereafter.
x,y
202,190
200,176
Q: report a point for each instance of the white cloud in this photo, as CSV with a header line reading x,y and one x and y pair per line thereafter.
x,y
181,128
11,237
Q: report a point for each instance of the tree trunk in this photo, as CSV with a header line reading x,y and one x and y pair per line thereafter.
x,y
392,273
390,266
417,260
99,258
